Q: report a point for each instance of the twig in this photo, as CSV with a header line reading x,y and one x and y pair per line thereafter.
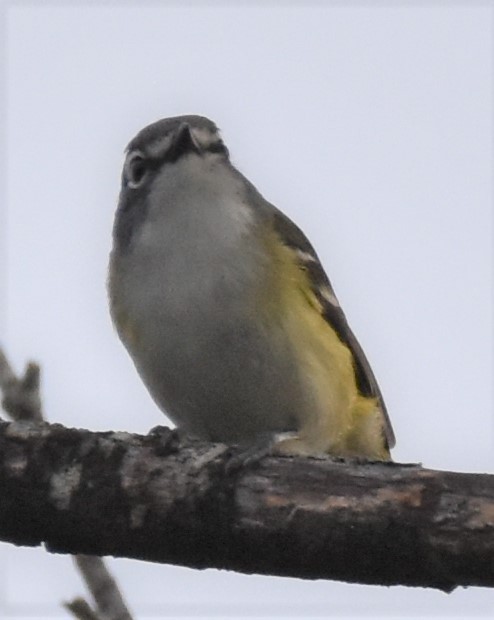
x,y
22,402
81,610
103,588
21,395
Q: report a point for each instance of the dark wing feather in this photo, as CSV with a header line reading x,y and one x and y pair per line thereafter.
x,y
367,384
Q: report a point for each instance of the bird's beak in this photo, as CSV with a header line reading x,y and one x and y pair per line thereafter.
x,y
183,142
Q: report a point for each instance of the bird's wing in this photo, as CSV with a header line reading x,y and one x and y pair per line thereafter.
x,y
295,239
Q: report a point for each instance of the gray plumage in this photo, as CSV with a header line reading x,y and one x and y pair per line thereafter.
x,y
185,272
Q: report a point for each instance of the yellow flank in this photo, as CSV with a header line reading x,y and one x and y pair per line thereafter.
x,y
336,419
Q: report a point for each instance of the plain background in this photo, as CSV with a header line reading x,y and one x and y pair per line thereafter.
x,y
369,124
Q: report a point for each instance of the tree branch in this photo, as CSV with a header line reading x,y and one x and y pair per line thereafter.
x,y
171,500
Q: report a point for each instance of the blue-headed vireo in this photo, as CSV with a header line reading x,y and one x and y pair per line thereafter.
x,y
225,309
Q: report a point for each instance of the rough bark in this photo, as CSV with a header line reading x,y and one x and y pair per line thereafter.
x,y
166,499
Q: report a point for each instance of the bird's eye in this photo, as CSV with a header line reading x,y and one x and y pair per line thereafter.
x,y
136,168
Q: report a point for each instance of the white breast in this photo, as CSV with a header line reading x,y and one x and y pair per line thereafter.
x,y
189,285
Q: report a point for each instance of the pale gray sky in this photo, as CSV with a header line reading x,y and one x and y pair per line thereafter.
x,y
369,124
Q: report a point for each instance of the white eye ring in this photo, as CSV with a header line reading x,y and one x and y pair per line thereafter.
x,y
135,169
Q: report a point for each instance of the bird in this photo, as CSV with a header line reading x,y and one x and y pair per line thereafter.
x,y
226,310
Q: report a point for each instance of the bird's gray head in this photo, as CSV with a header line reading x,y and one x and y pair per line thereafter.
x,y
163,144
